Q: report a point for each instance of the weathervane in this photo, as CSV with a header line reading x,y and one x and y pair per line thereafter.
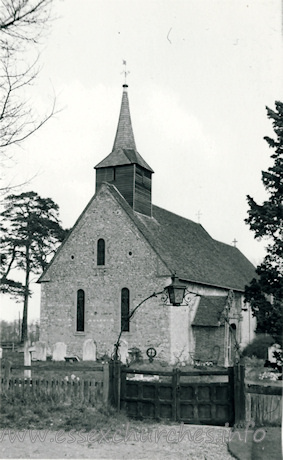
x,y
125,71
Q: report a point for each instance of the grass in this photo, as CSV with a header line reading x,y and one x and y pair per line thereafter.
x,y
248,447
270,447
58,370
20,414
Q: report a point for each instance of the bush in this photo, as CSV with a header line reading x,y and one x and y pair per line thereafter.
x,y
259,346
254,362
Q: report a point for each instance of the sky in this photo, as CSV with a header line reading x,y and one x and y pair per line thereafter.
x,y
201,73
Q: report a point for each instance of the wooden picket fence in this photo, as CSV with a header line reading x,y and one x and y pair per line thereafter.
x,y
263,404
101,383
84,391
59,388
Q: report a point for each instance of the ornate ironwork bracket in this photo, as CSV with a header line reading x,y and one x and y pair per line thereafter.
x,y
189,298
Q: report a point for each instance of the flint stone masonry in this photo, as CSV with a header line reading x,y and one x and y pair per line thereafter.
x,y
75,268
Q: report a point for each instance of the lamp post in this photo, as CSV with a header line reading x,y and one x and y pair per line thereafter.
x,y
176,294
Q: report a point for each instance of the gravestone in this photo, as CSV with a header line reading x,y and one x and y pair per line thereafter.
x,y
89,350
40,351
59,351
32,352
271,350
124,351
27,360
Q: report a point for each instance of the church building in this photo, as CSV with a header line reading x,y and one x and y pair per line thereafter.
x,y
121,250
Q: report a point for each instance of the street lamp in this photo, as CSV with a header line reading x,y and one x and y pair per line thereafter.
x,y
175,292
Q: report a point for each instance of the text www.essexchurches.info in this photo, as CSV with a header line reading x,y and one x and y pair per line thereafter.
x,y
199,435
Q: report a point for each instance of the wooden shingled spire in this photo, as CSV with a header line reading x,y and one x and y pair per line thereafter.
x,y
124,136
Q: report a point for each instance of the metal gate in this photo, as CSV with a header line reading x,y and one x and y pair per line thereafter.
x,y
191,397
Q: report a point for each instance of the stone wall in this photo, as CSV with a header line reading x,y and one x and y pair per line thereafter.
x,y
130,262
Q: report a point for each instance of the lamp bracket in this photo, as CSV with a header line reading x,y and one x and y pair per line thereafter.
x,y
188,299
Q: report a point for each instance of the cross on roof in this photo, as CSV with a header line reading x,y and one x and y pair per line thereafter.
x,y
235,242
198,216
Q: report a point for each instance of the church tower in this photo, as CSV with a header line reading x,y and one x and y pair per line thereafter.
x,y
124,167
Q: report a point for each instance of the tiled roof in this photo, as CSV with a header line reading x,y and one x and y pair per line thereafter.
x,y
209,311
124,149
187,249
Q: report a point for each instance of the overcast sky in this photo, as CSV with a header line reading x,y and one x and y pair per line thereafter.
x,y
201,74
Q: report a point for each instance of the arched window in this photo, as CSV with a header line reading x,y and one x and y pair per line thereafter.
x,y
125,309
100,252
80,311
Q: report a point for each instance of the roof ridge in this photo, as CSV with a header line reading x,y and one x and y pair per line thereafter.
x,y
180,217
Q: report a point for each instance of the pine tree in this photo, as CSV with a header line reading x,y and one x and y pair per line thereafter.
x,y
265,292
31,232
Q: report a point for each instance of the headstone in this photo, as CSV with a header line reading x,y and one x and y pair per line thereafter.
x,y
124,351
59,351
89,350
40,351
32,352
27,360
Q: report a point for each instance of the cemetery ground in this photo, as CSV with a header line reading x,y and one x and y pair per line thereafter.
x,y
46,428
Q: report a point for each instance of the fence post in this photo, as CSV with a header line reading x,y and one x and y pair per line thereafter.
x,y
116,379
239,393
105,383
176,393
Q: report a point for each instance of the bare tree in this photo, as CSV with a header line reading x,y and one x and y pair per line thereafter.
x,y
22,24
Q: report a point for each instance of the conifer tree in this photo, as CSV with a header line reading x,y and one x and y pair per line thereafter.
x,y
31,231
265,292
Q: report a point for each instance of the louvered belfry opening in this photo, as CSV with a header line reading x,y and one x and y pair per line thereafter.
x,y
124,167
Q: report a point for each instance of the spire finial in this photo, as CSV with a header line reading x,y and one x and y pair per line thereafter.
x,y
125,72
